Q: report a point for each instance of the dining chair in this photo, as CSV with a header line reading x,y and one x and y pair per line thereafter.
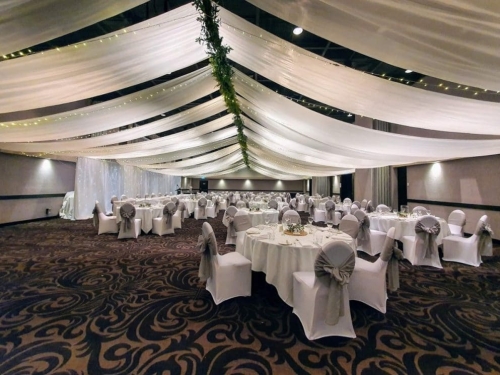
x,y
123,197
419,210
227,276
422,249
105,224
165,224
364,203
273,204
357,204
229,218
321,298
470,250
350,225
301,203
130,227
293,216
293,204
282,212
369,240
241,223
200,211
382,208
241,204
368,280
456,222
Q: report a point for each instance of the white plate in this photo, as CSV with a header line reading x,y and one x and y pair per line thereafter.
x,y
284,241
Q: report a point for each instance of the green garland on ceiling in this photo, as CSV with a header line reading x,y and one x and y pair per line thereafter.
x,y
221,69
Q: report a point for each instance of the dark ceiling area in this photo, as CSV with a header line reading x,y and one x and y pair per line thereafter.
x,y
256,16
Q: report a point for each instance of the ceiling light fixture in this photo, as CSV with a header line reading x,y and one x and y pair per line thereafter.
x,y
298,30
408,71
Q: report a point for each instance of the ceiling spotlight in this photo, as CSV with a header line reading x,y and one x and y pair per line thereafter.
x,y
349,115
408,71
298,30
162,115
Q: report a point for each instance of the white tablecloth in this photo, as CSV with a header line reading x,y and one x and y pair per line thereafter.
x,y
257,217
146,214
404,227
280,261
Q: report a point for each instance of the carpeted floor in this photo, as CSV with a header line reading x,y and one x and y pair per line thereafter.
x,y
72,302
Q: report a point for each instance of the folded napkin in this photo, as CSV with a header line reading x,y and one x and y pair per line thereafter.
x,y
253,231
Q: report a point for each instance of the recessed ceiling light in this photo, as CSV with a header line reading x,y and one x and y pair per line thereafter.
x,y
408,71
298,30
162,115
349,115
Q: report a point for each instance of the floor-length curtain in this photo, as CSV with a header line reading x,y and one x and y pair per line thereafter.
x,y
381,177
100,179
321,185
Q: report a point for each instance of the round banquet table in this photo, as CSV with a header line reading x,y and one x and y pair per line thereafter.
x,y
146,214
403,226
190,205
279,260
257,217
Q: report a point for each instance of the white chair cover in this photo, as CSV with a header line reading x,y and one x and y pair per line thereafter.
x,y
282,212
202,204
123,197
350,225
292,215
470,250
130,227
321,299
293,204
382,208
456,223
241,223
105,224
241,204
228,275
273,204
421,249
354,208
330,211
419,210
364,203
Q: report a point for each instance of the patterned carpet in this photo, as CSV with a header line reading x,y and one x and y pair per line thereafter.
x,y
72,302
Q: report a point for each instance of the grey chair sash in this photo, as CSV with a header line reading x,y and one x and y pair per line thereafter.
x,y
390,253
127,212
334,277
364,229
217,205
280,215
484,244
168,212
181,207
330,210
293,204
207,248
311,207
202,204
241,223
428,236
230,225
95,218
273,204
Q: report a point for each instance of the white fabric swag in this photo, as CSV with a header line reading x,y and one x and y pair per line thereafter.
x,y
146,50
112,113
156,146
29,22
453,40
314,76
325,134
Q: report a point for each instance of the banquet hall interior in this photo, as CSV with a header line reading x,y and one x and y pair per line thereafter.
x,y
249,187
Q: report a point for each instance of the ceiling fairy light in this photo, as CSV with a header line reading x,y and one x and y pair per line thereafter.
x,y
298,30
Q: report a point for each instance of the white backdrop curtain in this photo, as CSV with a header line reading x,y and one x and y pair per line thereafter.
x,y
146,50
363,94
27,23
101,179
455,40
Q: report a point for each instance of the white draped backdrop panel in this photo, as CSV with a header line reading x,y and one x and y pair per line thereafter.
x,y
101,179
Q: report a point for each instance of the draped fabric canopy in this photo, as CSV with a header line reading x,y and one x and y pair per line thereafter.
x,y
455,40
26,23
285,140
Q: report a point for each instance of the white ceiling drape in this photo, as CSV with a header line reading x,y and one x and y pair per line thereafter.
x,y
27,23
353,91
147,50
454,40
113,114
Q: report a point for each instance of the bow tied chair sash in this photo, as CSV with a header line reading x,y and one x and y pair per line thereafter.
x,y
273,204
127,212
311,207
207,247
230,225
202,204
217,205
168,212
364,229
181,207
428,235
330,210
484,244
95,218
334,277
392,254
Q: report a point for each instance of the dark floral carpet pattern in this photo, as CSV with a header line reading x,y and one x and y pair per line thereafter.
x,y
72,302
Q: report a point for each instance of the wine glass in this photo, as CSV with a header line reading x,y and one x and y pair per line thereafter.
x,y
266,219
329,225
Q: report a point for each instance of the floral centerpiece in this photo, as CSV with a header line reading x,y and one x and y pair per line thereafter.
x,y
295,229
145,205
